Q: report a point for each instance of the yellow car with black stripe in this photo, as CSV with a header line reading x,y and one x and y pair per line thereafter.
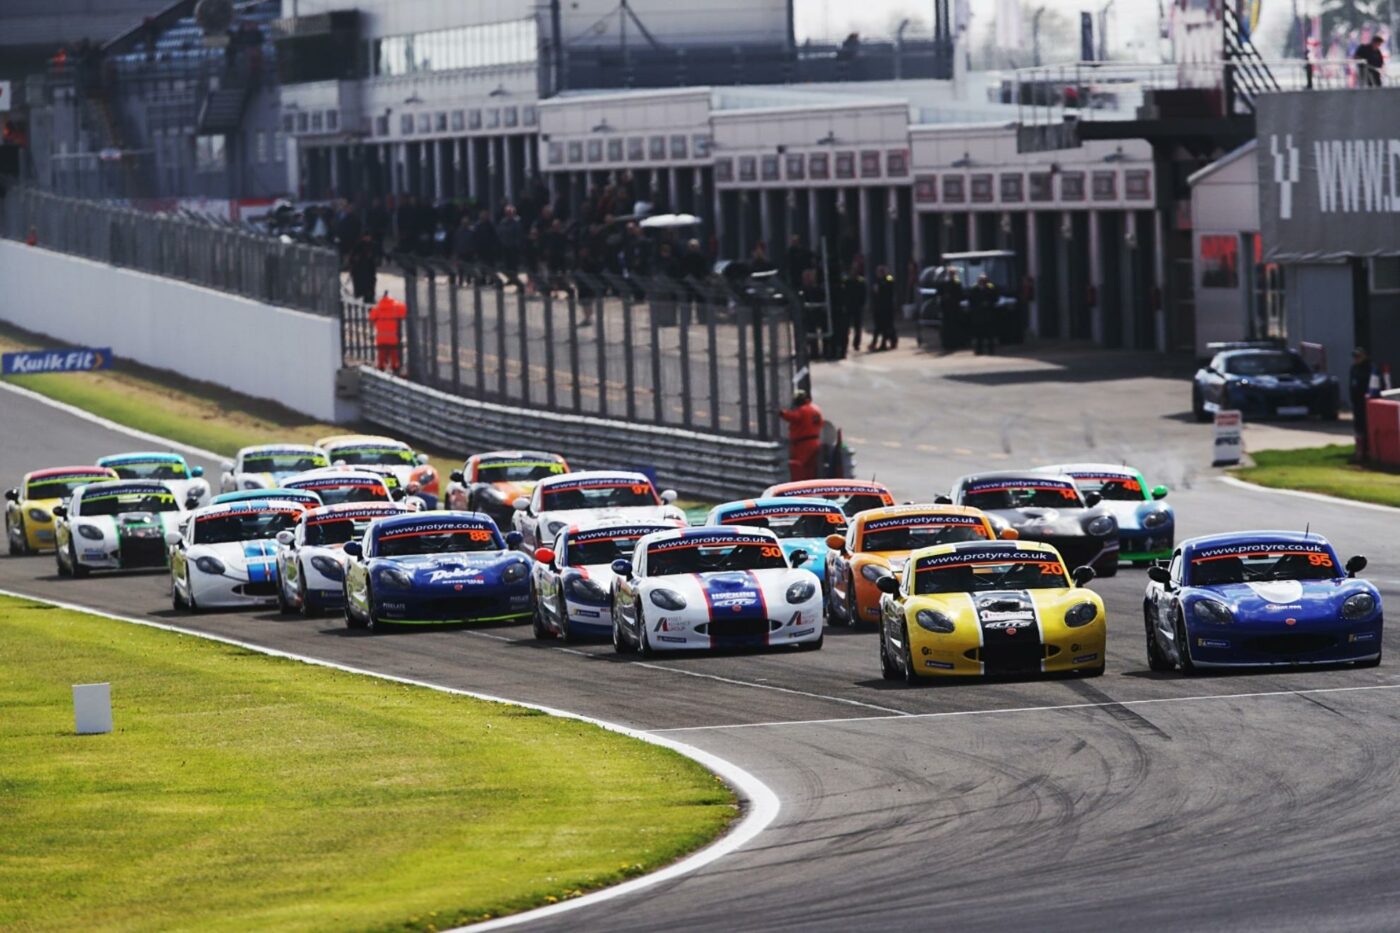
x,y
989,607
29,506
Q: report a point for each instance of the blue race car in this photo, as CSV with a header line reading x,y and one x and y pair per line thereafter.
x,y
1258,599
304,496
800,524
1262,383
435,568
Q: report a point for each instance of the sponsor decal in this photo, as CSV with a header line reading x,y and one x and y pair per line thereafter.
x,y
1128,480
253,507
1002,554
94,554
940,665
585,613
835,489
1081,658
1065,487
97,492
408,529
65,477
924,520
462,574
1264,549
260,557
618,533
1212,643
708,539
326,517
337,482
77,360
671,638
1362,636
569,484
739,516
668,625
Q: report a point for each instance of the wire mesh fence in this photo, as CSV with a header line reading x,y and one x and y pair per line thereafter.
x,y
708,356
207,253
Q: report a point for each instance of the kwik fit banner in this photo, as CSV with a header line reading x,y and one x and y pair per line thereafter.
x,y
1329,173
76,360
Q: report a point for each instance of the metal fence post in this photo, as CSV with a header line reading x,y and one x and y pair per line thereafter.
x,y
454,312
502,386
658,416
629,376
410,294
478,337
744,375
524,342
684,324
760,383
430,371
714,366
549,391
573,350
599,331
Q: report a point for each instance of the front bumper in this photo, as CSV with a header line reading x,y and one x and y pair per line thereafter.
x,y
1146,545
446,607
231,592
802,625
1332,642
589,619
1280,403
130,554
962,653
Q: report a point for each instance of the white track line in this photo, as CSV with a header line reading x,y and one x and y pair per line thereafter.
x,y
1314,496
110,425
762,803
1028,709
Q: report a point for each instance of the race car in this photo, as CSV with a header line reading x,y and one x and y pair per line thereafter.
x,y
434,568
185,481
572,578
989,607
587,497
29,506
226,555
389,457
305,497
1041,507
114,525
877,544
1146,524
800,524
1260,598
1263,382
335,485
266,465
713,588
311,557
491,482
852,495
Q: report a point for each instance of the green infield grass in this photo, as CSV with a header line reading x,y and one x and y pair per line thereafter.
x,y
245,792
1327,470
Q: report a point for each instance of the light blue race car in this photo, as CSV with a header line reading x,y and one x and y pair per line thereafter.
x,y
1146,524
800,524
304,496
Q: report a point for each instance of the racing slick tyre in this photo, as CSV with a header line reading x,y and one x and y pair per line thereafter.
x,y
620,645
308,610
79,571
812,645
542,632
1157,659
910,677
284,607
371,623
1183,646
562,614
829,610
888,669
20,549
851,616
352,620
644,647
177,602
1198,406
63,570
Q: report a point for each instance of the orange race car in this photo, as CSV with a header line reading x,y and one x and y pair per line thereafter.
x,y
852,495
878,542
491,482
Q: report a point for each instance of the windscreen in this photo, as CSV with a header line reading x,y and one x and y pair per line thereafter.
x,y
61,487
910,532
517,471
438,539
1262,562
150,469
115,503
798,521
598,494
603,546
849,499
283,462
335,492
243,526
1021,493
982,571
1266,364
1118,487
713,553
373,455
328,532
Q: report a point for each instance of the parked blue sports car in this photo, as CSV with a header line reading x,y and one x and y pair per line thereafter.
x,y
800,524
1261,598
430,568
1263,383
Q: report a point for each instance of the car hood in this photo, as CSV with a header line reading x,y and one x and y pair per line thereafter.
x,y
1285,598
733,594
1048,522
895,560
239,555
471,568
601,574
588,516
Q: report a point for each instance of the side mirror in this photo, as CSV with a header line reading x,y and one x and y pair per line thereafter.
x,y
398,493
668,496
514,539
836,542
12,495
226,466
1092,499
61,511
1159,492
354,549
1082,575
942,500
888,585
521,504
192,500
622,567
421,459
1355,565
456,476
1159,575
544,555
1009,534
285,537
798,557
173,538
196,471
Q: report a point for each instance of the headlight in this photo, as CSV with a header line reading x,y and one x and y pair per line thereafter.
x,y
210,565
873,572
1156,519
395,578
252,484
801,591
91,532
38,515
514,573
328,567
1082,614
1211,612
934,621
1101,527
667,599
585,589
1358,606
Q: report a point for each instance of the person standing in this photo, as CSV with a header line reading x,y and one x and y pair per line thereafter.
x,y
1370,62
853,297
511,234
1358,391
799,260
885,331
804,420
982,303
463,249
485,242
385,316
952,326
361,265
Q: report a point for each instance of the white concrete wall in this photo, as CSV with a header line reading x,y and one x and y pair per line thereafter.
x,y
273,353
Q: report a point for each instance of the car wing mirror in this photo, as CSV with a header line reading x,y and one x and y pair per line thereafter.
x,y
1355,565
1082,576
285,537
421,459
1009,534
456,476
514,539
1092,499
669,495
1159,492
1159,575
226,466
521,504
61,511
12,495
174,538
622,567
799,557
836,542
545,555
196,471
888,585
942,500
354,549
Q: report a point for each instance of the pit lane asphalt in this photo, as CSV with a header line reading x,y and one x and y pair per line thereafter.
x,y
1227,801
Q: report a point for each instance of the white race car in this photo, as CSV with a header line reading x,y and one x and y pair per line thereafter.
x,y
396,460
266,465
713,587
342,484
588,497
187,482
116,525
311,558
226,555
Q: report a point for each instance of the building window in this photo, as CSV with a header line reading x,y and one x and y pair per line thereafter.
x,y
332,120
485,46
406,124
770,168
575,152
897,163
724,169
1042,187
425,122
316,122
1013,188
1105,186
748,168
636,149
459,121
303,122
1220,261
510,116
656,148
981,188
678,147
260,146
381,125
528,115
288,122
556,153
614,150
819,166
926,189
953,190
1137,184
870,165
595,150
279,148
845,165
493,118
209,154
1385,274
440,121
1072,186
796,167
473,119
700,146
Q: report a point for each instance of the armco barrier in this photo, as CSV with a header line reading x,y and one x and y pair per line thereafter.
x,y
706,466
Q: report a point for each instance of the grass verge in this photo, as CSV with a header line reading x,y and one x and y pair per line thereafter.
x,y
245,792
1326,470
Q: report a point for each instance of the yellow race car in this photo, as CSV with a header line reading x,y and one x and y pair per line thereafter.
x,y
989,607
29,506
